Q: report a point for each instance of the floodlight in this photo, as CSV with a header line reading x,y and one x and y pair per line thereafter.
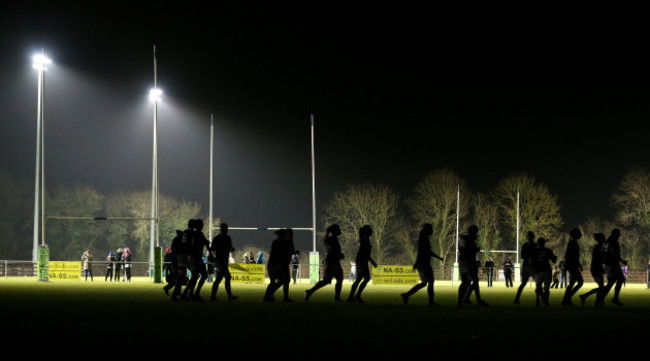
x,y
40,62
155,95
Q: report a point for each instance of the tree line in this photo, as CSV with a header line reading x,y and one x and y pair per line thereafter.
x,y
395,219
436,200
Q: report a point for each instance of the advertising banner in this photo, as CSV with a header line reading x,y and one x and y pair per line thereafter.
x,y
67,271
247,272
394,275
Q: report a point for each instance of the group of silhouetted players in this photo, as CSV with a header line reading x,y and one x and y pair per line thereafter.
x,y
188,246
605,263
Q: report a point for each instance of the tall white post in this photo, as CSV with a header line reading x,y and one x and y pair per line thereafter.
x,y
517,265
455,271
154,171
211,172
313,186
37,181
40,63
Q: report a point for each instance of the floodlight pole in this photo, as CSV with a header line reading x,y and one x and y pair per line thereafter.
x,y
454,276
211,173
313,185
154,175
40,62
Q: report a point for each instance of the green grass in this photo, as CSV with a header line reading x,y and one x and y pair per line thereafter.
x,y
99,315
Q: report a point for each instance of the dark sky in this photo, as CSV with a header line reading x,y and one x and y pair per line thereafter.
x,y
396,90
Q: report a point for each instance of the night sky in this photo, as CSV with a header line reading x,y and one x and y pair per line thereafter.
x,y
396,91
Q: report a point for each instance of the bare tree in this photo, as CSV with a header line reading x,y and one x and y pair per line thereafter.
x,y
360,204
539,208
435,201
632,203
486,217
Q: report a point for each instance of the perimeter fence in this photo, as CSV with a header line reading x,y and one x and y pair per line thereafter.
x,y
100,270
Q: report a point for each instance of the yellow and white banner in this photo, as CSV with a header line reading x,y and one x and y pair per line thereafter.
x,y
394,275
247,272
68,271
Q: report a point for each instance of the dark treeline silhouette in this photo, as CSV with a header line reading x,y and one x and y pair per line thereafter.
x,y
394,242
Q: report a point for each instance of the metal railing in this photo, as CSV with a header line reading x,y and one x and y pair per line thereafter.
x,y
100,269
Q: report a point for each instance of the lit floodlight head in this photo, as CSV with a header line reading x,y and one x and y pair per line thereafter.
x,y
40,62
155,95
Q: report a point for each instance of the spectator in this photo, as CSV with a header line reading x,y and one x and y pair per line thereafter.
x,y
489,265
260,258
126,257
87,257
110,259
507,271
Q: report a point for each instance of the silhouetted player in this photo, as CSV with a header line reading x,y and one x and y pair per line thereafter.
x,y
221,247
541,263
468,267
423,265
182,262
286,262
611,253
170,265
197,266
333,268
573,267
526,268
596,269
278,265
361,261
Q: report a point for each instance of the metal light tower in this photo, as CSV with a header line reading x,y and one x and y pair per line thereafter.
x,y
40,64
211,176
155,96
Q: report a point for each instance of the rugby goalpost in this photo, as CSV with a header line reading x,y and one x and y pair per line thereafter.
x,y
155,257
313,255
455,269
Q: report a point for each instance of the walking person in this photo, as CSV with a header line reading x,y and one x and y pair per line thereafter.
x,y
423,265
87,257
361,263
169,263
573,267
596,270
110,260
220,248
290,250
181,253
468,268
611,253
198,270
508,267
526,268
278,265
541,263
333,268
489,266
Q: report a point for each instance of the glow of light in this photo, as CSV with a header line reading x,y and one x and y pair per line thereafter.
x,y
40,62
155,95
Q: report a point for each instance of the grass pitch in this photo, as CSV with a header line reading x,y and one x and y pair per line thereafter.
x,y
61,316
